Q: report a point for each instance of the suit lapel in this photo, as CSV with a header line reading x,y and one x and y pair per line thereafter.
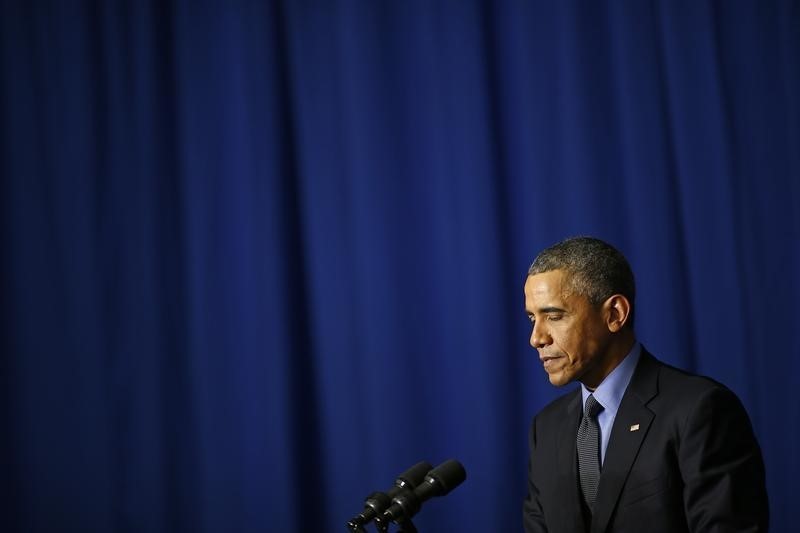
x,y
629,431
571,511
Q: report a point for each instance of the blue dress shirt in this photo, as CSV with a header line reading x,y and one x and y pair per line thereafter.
x,y
609,394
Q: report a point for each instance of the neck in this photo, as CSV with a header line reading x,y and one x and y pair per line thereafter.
x,y
619,346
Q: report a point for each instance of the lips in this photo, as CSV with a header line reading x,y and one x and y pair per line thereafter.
x,y
545,358
549,360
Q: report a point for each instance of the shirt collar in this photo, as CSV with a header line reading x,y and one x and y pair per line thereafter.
x,y
609,393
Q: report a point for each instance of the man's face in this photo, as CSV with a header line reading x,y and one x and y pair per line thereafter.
x,y
569,333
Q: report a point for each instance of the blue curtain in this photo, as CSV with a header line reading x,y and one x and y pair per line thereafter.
x,y
260,257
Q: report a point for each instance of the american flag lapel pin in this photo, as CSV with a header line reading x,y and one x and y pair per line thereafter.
x,y
635,427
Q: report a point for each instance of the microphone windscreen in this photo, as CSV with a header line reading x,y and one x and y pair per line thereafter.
x,y
415,475
446,476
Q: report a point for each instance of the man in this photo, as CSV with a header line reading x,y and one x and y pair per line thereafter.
x,y
640,446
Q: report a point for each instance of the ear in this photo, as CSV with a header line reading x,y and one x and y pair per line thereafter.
x,y
618,311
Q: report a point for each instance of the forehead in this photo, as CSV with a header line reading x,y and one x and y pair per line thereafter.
x,y
546,286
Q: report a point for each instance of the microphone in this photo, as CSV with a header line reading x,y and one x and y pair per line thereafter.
x,y
377,502
439,482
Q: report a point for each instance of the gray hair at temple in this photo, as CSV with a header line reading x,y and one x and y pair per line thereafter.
x,y
595,269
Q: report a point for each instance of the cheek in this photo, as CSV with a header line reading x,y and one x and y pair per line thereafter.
x,y
565,338
570,343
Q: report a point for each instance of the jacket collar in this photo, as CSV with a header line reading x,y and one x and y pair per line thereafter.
x,y
625,441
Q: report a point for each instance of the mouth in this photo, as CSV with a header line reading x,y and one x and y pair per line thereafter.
x,y
549,360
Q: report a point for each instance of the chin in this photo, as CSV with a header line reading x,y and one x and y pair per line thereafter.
x,y
559,380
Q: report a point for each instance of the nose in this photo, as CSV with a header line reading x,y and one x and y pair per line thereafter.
x,y
539,335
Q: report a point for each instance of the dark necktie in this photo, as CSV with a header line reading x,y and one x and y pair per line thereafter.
x,y
589,451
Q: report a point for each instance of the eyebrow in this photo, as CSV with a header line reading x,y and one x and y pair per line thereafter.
x,y
546,310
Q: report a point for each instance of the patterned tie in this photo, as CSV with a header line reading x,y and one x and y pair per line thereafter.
x,y
589,451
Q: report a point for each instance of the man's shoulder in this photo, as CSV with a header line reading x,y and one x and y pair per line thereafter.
x,y
674,378
557,408
681,388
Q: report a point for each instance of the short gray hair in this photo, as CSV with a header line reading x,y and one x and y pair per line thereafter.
x,y
595,269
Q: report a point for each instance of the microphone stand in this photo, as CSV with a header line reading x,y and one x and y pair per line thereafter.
x,y
405,525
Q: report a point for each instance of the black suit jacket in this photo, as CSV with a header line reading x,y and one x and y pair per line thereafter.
x,y
681,457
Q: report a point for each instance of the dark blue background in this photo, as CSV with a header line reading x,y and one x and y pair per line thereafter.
x,y
259,257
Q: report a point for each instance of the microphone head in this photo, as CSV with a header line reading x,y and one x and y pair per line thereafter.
x,y
439,481
415,475
377,502
446,477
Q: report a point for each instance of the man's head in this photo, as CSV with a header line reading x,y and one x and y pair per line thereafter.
x,y
579,295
